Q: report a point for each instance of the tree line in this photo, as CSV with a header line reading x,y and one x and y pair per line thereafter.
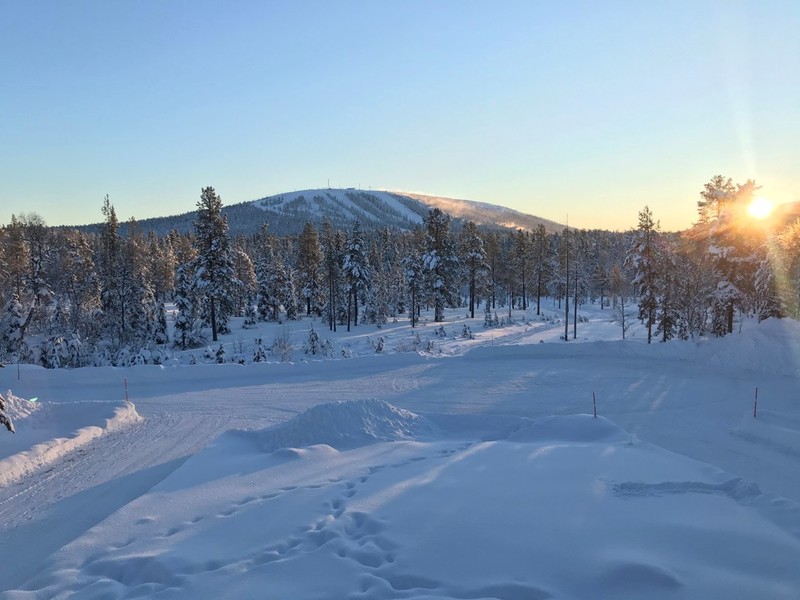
x,y
72,298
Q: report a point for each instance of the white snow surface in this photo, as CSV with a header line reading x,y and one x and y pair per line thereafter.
x,y
339,199
474,470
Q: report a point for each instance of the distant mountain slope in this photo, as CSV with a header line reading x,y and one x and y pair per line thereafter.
x,y
286,214
343,207
483,213
396,210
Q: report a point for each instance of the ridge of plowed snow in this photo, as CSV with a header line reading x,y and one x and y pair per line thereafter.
x,y
16,465
344,425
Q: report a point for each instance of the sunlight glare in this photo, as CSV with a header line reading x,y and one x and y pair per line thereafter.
x,y
760,208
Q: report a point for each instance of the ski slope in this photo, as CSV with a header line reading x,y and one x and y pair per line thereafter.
x,y
471,471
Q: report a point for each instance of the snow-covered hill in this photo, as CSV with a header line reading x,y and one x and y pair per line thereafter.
x,y
342,207
380,208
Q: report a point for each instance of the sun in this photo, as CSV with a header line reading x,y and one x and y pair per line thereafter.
x,y
760,208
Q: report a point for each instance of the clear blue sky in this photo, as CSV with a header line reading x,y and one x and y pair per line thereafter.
x,y
587,109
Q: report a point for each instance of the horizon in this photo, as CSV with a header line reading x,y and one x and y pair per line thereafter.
x,y
591,112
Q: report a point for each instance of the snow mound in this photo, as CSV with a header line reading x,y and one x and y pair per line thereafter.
x,y
571,428
772,346
344,425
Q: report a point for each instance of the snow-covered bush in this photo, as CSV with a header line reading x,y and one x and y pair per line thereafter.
x,y
282,347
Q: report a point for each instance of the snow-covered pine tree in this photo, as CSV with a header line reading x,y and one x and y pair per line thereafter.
x,y
241,295
11,326
250,315
312,344
160,333
270,277
642,259
260,351
766,301
786,256
731,244
667,317
356,272
309,266
188,327
473,257
215,275
76,284
520,267
414,275
439,262
15,257
333,249
289,293
541,263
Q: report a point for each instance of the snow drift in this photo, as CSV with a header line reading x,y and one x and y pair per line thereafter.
x,y
344,425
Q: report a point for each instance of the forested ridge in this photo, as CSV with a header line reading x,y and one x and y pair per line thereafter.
x,y
73,297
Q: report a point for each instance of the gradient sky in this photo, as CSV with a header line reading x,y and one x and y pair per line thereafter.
x,y
586,109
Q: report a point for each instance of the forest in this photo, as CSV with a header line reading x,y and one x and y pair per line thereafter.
x,y
72,298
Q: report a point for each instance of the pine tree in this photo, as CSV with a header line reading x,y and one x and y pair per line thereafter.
x,y
333,249
214,264
11,326
440,262
14,257
642,259
188,325
109,258
542,263
731,245
245,274
474,258
520,265
309,265
160,334
312,345
414,273
355,271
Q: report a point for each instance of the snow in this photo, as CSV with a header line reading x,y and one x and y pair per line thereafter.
x,y
472,469
340,198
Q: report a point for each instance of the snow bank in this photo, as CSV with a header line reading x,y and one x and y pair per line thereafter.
x,y
772,346
28,458
571,428
345,425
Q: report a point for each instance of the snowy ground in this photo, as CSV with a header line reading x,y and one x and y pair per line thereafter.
x,y
472,471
